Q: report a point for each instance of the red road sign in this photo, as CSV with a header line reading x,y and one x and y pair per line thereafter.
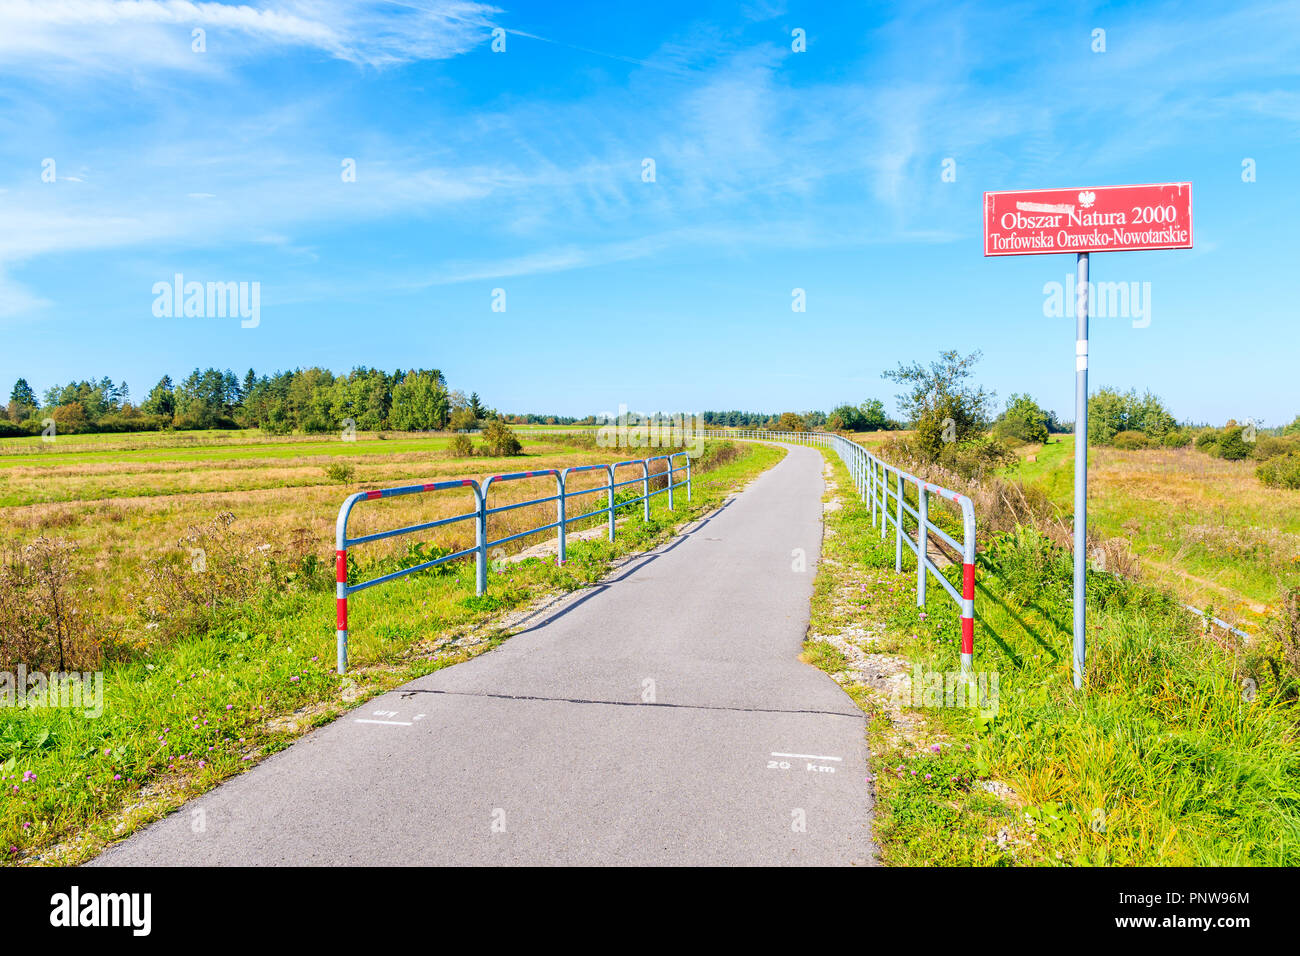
x,y
1026,222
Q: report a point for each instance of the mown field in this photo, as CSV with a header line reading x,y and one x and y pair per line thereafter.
x,y
1204,526
198,575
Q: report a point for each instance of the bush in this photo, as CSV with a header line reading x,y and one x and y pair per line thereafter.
x,y
976,458
1232,446
462,420
1207,441
1282,471
1023,422
340,471
461,446
138,422
1130,441
499,441
1270,446
1176,438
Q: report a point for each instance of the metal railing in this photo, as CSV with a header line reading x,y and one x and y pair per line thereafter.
x,y
481,513
872,480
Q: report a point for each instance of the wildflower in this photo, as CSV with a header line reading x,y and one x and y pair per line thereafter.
x,y
928,777
117,776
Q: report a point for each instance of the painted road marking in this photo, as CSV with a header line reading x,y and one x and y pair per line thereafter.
x,y
805,756
395,723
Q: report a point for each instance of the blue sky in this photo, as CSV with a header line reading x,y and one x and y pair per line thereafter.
x,y
522,170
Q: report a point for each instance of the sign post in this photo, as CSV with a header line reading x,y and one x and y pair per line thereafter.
x,y
1083,221
1080,469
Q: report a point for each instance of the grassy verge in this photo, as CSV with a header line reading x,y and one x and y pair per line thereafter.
x,y
1180,752
188,714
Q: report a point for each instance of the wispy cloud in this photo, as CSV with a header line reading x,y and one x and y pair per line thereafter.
x,y
129,35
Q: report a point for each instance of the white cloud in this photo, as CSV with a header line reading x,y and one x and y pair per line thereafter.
x,y
128,35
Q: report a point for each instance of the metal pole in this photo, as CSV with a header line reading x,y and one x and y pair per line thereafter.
x,y
610,470
480,543
898,524
645,486
922,541
884,499
1080,470
560,517
341,600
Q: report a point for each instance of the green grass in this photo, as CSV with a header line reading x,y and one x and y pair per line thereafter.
x,y
1052,470
64,452
1172,756
191,713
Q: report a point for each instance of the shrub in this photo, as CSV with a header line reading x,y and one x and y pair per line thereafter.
x,y
976,458
1130,440
461,446
340,471
139,422
1207,441
1281,471
1232,446
1176,438
1270,446
1023,422
462,420
500,441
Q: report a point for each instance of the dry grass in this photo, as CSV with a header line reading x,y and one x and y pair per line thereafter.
x,y
131,521
1205,526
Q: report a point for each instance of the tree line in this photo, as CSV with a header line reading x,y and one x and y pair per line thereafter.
x,y
312,400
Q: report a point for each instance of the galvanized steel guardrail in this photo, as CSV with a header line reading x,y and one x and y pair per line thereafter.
x,y
480,514
872,478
